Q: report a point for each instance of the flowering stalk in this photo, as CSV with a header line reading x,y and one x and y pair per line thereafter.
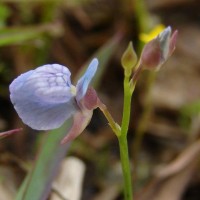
x,y
121,133
129,60
154,54
123,145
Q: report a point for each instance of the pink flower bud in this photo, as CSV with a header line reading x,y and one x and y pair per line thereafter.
x,y
158,50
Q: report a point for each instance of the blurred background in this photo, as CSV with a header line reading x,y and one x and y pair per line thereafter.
x,y
164,130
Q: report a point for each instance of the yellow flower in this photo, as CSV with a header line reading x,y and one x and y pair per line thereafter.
x,y
146,37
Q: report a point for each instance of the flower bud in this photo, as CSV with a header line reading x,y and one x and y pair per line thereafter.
x,y
158,50
129,59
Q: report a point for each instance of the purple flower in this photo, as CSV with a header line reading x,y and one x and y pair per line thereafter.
x,y
44,98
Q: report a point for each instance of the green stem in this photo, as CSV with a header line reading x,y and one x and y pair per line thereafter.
x,y
126,107
122,134
123,145
124,156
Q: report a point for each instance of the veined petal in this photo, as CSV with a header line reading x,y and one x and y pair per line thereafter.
x,y
42,97
84,81
81,120
51,83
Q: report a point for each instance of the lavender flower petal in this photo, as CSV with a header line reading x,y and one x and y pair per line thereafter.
x,y
43,97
